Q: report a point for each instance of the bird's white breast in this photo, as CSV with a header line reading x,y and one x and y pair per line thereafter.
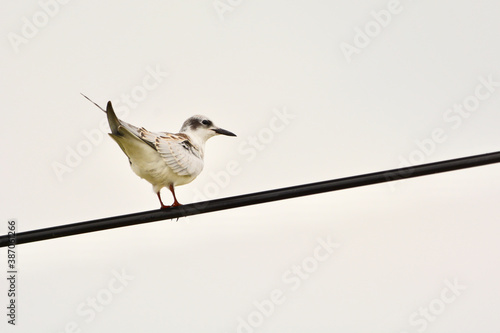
x,y
150,166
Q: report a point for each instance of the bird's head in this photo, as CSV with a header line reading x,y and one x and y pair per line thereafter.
x,y
202,128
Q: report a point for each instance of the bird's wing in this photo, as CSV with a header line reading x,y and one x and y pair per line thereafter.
x,y
175,149
142,133
179,153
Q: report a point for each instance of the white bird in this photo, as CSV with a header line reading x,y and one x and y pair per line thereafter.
x,y
164,159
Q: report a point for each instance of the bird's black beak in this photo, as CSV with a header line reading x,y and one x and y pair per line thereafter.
x,y
223,132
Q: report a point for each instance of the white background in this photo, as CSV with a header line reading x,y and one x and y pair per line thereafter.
x,y
398,243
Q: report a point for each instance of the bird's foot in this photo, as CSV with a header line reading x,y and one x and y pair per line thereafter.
x,y
175,204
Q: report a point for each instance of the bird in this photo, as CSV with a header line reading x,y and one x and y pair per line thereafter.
x,y
164,159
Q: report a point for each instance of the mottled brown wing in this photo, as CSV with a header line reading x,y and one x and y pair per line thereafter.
x,y
179,153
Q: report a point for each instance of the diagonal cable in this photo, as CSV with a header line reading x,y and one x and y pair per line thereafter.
x,y
252,199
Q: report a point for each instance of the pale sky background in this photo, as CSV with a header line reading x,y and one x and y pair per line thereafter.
x,y
419,255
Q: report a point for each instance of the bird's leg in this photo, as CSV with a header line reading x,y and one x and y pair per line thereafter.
x,y
161,202
176,203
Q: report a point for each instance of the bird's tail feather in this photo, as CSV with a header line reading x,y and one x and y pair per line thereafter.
x,y
91,101
114,122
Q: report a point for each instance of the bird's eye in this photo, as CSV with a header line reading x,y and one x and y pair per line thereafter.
x,y
205,122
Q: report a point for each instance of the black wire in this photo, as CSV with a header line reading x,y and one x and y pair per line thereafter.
x,y
251,199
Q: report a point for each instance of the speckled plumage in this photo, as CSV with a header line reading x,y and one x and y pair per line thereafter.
x,y
164,159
